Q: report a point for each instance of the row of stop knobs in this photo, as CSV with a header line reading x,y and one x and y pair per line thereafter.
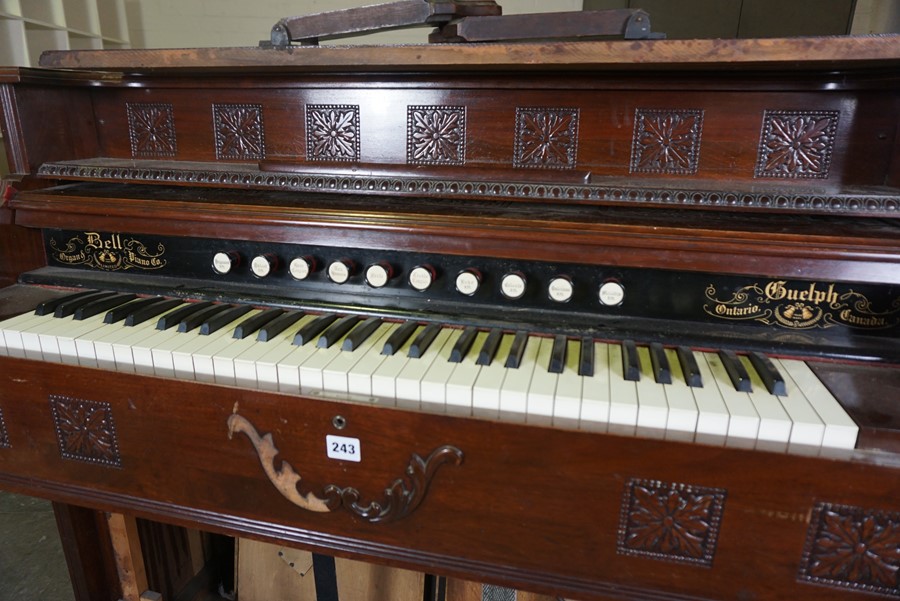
x,y
421,277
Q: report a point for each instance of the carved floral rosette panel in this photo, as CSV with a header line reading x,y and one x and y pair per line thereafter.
x,y
436,135
239,132
85,430
853,548
151,129
546,138
796,144
4,434
332,132
666,141
670,521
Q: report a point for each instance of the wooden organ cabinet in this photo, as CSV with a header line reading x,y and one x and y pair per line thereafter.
x,y
596,319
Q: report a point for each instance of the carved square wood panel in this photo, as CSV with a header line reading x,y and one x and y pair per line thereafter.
x,y
85,430
670,521
853,548
239,131
151,129
332,132
436,135
796,144
546,138
666,141
4,435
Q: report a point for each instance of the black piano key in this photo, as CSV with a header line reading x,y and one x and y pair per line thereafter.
x,y
662,371
689,367
197,318
122,311
337,331
586,358
222,319
252,324
517,350
151,310
489,348
68,307
769,374
424,340
558,355
736,371
48,307
360,334
174,318
100,305
631,362
398,338
462,345
313,329
279,325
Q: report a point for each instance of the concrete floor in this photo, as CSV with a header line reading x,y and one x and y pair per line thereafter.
x,y
32,565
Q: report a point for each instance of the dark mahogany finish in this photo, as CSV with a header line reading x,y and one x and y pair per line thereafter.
x,y
629,156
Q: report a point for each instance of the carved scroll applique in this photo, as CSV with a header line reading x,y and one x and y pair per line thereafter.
x,y
401,498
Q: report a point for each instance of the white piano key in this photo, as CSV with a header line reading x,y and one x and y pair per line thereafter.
x,y
486,393
713,416
31,340
623,399
595,395
311,372
569,389
336,375
12,331
384,378
433,385
198,359
653,408
51,339
774,423
683,414
409,380
808,430
257,367
163,351
743,420
542,388
841,431
461,383
361,379
288,367
126,348
514,392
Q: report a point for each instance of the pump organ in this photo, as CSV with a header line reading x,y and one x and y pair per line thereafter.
x,y
637,301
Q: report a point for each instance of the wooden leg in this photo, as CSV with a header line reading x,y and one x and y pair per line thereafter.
x,y
84,534
126,544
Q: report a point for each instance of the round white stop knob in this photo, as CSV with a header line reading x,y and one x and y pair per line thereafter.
x,y
468,281
512,285
612,293
561,289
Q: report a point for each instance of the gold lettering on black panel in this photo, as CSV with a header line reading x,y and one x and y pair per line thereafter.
x,y
109,252
800,306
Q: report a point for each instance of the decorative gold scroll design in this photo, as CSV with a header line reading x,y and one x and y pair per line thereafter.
x,y
801,306
401,498
109,252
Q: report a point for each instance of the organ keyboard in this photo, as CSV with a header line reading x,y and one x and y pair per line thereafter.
x,y
582,384
594,319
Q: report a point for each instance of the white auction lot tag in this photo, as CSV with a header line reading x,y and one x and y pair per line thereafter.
x,y
342,447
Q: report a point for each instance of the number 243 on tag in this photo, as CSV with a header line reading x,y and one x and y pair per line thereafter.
x,y
342,447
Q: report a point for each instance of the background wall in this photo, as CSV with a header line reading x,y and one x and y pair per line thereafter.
x,y
179,23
